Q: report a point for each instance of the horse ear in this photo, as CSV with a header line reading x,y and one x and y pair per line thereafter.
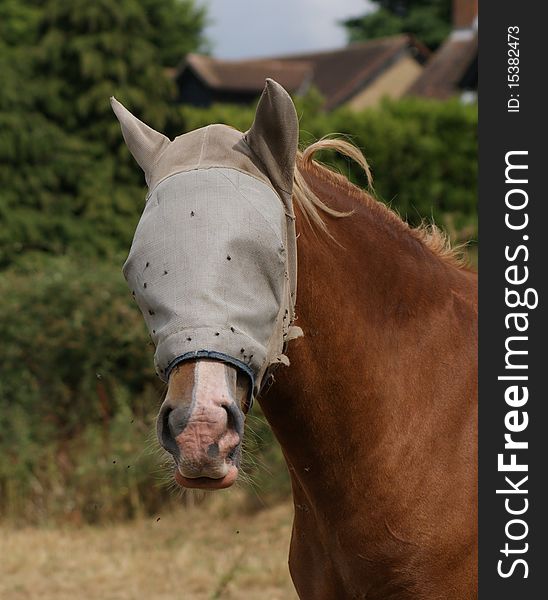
x,y
274,135
143,142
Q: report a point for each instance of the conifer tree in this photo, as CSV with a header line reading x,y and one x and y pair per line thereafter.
x,y
89,51
428,20
67,181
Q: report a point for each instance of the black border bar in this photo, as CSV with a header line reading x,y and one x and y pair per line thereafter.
x,y
517,516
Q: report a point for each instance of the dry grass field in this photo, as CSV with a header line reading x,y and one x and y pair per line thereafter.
x,y
215,550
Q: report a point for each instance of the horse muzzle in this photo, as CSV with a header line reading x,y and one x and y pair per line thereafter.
x,y
201,425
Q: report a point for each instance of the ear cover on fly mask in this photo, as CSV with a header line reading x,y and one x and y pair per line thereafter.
x,y
213,260
144,143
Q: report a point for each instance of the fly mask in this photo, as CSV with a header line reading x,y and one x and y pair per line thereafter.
x,y
213,262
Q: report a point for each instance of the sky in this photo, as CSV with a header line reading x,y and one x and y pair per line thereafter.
x,y
255,28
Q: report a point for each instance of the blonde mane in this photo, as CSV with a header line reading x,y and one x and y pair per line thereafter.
x,y
312,207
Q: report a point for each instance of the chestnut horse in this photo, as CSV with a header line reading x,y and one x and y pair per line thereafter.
x,y
376,415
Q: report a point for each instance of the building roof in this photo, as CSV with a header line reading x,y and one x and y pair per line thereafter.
x,y
247,75
338,74
442,77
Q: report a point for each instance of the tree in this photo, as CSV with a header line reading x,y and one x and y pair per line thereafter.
x,y
428,20
88,51
18,22
38,160
176,28
67,181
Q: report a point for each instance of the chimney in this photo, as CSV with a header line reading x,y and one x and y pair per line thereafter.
x,y
464,13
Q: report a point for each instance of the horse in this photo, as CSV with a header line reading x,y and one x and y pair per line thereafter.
x,y
377,413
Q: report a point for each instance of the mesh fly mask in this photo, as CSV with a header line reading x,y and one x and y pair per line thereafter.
x,y
212,265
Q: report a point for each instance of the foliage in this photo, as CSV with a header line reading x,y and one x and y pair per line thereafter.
x,y
176,28
69,329
424,158
78,398
423,153
66,177
75,370
89,51
428,20
18,22
263,465
57,191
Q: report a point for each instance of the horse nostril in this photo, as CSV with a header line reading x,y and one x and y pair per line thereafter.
x,y
165,434
234,423
171,423
235,418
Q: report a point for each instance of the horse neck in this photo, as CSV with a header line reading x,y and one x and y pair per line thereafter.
x,y
383,319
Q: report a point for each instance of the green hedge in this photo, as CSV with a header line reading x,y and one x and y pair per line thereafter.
x,y
423,153
79,396
60,195
75,362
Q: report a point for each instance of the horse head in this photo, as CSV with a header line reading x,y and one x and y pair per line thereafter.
x,y
212,267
